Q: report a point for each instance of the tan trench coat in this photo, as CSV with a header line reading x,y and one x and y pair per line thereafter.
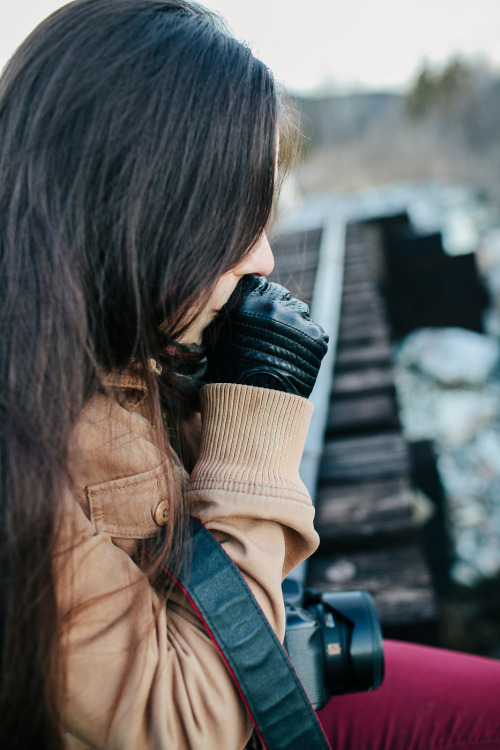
x,y
142,675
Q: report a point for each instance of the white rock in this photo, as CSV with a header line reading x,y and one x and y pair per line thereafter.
x,y
460,414
452,356
448,415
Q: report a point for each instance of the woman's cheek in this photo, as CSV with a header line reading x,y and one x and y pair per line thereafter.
x,y
223,290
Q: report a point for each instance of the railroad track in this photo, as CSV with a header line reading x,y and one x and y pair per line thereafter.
x,y
357,464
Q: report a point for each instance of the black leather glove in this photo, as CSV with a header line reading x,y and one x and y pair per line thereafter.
x,y
265,338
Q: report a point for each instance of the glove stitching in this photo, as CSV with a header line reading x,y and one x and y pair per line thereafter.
x,y
288,358
257,366
310,359
282,336
278,322
286,368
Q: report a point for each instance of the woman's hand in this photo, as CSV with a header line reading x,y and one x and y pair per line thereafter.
x,y
265,338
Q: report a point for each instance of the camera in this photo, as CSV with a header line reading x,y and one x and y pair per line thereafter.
x,y
334,641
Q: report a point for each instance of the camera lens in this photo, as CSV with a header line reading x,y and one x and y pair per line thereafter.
x,y
352,642
334,641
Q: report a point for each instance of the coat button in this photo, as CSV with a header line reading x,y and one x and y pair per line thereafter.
x,y
160,513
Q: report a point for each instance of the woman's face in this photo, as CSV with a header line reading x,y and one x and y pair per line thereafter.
x,y
260,262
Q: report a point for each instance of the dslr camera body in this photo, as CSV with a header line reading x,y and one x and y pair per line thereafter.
x,y
334,641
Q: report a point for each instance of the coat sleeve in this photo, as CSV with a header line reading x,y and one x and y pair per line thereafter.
x,y
142,675
246,486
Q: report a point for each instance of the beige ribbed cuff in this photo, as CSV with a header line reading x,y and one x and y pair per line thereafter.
x,y
251,436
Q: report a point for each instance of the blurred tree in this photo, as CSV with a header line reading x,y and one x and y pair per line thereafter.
x,y
446,127
438,91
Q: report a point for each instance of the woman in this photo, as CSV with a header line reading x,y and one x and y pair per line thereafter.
x,y
137,174
139,149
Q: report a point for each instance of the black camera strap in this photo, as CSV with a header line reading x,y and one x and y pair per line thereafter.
x,y
264,675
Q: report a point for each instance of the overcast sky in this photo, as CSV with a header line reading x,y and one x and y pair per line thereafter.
x,y
354,43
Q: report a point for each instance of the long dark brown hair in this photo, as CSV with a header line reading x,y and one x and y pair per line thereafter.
x,y
137,152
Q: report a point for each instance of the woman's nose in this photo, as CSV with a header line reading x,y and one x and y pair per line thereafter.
x,y
260,262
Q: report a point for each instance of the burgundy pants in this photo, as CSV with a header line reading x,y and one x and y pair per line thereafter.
x,y
430,699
